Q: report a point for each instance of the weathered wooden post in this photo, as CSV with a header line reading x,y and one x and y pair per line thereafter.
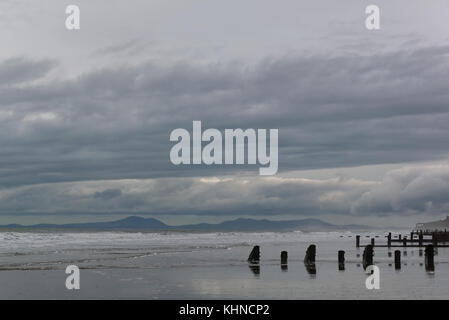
x,y
254,256
404,241
389,240
421,237
357,241
429,261
309,259
397,259
284,257
368,256
310,254
341,260
372,242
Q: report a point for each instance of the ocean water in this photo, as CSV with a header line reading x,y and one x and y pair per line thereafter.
x,y
176,265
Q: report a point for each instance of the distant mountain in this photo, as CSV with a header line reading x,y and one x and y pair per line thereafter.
x,y
139,223
254,225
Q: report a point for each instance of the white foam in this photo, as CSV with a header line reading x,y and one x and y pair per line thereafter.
x,y
10,241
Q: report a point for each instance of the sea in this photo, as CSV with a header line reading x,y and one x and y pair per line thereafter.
x,y
194,265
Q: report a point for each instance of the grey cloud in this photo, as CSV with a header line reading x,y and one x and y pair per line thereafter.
x,y
126,48
331,111
408,191
20,70
108,194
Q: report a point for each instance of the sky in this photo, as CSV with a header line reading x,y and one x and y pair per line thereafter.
x,y
86,115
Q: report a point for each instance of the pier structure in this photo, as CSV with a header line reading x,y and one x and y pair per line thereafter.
x,y
415,239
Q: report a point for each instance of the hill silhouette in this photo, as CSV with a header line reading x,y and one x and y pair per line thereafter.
x,y
241,224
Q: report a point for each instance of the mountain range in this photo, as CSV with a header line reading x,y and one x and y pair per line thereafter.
x,y
151,224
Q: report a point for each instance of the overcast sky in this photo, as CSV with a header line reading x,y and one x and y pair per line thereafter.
x,y
85,116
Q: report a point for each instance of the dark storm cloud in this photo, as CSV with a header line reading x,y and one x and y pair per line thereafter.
x,y
331,111
115,123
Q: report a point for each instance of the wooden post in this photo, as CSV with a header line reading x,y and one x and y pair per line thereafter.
x,y
284,257
372,242
421,237
389,240
254,256
357,241
309,259
434,239
310,254
400,236
341,260
404,241
397,259
429,261
284,261
368,256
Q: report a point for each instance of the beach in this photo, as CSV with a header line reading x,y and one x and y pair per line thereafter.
x,y
187,265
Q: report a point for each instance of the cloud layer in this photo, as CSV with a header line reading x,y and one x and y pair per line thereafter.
x,y
407,191
99,143
115,123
